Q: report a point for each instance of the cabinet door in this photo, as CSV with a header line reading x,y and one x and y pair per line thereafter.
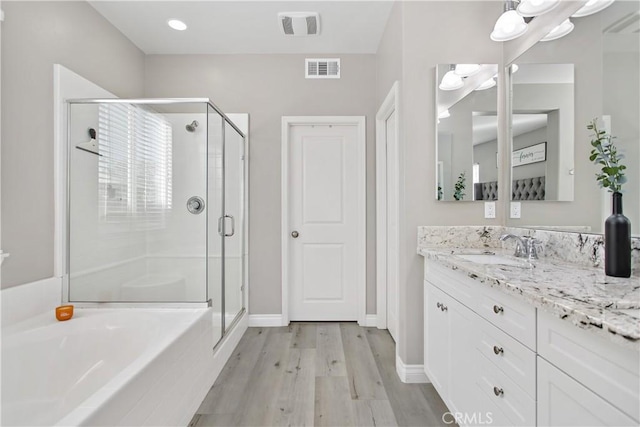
x,y
437,338
463,333
562,401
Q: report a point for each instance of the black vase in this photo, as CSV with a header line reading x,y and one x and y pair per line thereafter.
x,y
617,241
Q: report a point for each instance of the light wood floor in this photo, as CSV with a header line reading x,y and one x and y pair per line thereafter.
x,y
317,374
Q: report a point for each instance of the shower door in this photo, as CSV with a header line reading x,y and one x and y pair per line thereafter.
x,y
233,224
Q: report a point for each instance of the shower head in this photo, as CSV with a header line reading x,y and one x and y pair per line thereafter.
x,y
191,127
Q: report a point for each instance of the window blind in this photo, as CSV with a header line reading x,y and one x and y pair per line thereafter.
x,y
135,167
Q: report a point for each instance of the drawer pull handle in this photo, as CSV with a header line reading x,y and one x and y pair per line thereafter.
x,y
497,309
498,350
443,307
498,391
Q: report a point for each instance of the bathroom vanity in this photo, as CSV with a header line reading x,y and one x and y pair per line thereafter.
x,y
512,342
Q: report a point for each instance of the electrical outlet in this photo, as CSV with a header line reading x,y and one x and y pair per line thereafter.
x,y
515,210
489,209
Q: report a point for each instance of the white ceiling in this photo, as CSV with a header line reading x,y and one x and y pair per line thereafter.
x,y
246,27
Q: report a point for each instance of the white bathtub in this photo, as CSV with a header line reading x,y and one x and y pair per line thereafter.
x,y
106,367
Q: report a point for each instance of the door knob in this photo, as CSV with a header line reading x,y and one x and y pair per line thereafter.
x,y
295,234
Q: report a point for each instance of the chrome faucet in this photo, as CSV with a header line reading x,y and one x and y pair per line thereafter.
x,y
526,246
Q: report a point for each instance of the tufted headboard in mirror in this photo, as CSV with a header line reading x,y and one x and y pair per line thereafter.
x,y
521,189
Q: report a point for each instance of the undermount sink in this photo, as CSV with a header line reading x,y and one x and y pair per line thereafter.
x,y
493,259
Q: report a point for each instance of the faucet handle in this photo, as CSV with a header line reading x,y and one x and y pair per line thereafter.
x,y
532,247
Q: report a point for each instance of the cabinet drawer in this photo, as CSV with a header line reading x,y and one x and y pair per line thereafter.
x,y
609,370
455,283
516,318
512,358
513,402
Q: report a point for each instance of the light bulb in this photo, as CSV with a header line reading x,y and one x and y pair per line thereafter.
x,y
445,114
176,24
530,8
451,81
560,31
592,6
509,26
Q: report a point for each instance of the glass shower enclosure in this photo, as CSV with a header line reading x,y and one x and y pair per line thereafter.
x,y
155,205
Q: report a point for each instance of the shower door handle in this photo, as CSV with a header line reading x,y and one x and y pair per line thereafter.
x,y
233,225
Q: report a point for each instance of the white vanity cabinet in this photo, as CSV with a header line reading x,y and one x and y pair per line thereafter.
x,y
481,372
494,355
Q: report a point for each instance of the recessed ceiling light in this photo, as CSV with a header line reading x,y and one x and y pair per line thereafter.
x,y
176,24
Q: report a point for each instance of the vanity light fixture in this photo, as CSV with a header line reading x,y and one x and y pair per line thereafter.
x,y
529,8
560,31
509,25
466,70
177,24
592,6
487,85
451,81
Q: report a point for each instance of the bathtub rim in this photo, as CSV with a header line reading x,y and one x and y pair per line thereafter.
x,y
194,318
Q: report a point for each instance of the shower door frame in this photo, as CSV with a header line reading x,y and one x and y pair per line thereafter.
x,y
63,166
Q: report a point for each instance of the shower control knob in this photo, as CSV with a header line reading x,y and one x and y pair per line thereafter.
x,y
295,234
195,205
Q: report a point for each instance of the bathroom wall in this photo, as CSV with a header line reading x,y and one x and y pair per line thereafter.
x,y
36,35
431,33
269,87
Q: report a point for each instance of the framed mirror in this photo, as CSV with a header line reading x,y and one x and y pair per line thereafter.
x,y
542,132
467,129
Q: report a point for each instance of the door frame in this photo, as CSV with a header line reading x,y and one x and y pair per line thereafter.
x,y
360,123
388,107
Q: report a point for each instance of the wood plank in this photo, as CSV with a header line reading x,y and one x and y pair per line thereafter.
x,y
216,420
226,393
374,413
259,404
333,405
365,382
413,404
304,335
297,394
330,359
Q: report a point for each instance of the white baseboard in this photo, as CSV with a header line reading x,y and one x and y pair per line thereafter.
x,y
410,374
265,320
370,321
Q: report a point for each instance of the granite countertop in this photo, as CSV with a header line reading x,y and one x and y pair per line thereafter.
x,y
584,296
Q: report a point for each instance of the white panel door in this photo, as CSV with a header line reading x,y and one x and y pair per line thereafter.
x,y
323,214
392,225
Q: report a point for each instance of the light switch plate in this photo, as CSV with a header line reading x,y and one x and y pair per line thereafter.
x,y
516,208
489,209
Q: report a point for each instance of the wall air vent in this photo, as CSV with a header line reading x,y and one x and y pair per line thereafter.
x,y
322,68
299,23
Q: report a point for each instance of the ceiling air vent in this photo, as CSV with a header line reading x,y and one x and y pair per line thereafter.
x,y
299,23
322,68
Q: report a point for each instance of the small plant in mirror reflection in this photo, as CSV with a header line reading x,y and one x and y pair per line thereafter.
x,y
458,194
605,155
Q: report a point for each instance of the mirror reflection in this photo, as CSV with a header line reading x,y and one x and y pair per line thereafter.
x,y
605,49
542,132
467,118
